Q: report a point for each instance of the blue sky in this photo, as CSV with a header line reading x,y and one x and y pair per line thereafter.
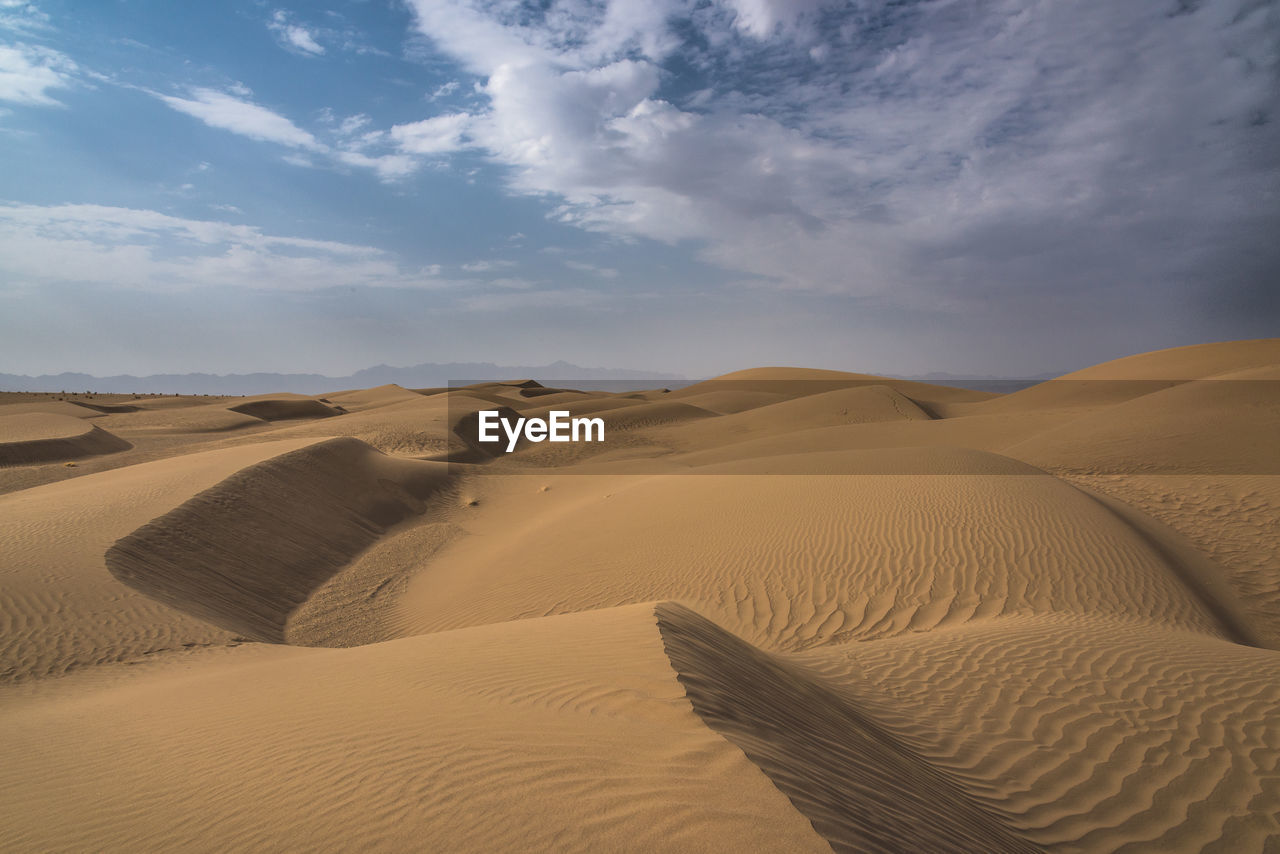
x,y
690,186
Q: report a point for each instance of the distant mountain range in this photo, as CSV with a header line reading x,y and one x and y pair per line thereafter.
x,y
426,375
418,376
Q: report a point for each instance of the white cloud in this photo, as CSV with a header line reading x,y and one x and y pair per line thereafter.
x,y
228,112
389,167
896,142
293,36
434,136
149,250
28,72
352,124
20,16
391,155
444,90
602,272
487,266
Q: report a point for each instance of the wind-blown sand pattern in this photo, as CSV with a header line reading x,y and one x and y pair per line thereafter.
x,y
784,610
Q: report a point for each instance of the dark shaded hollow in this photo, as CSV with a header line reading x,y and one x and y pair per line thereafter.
x,y
247,552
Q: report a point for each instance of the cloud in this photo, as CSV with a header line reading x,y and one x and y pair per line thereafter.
x,y
444,90
28,72
294,37
762,19
352,124
148,250
389,167
932,156
392,155
229,112
21,16
602,272
434,136
487,266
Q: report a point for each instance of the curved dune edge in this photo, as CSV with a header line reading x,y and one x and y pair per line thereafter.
x,y
282,409
1084,733
247,552
88,441
793,562
860,787
61,611
1229,520
568,734
1199,574
1053,732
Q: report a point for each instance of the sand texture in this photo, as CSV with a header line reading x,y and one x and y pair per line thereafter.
x,y
781,610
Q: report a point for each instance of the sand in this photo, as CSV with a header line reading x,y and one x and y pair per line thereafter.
x,y
782,610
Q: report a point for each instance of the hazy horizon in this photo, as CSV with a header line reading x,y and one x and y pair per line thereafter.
x,y
1005,188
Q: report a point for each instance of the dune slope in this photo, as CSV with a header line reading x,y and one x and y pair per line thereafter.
x,y
303,515
798,560
567,734
60,609
40,437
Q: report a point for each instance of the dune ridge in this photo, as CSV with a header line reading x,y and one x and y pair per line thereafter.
x,y
283,409
803,560
861,789
303,515
1086,734
40,437
61,611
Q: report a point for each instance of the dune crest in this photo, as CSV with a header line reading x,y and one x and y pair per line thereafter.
x,y
304,515
861,788
40,437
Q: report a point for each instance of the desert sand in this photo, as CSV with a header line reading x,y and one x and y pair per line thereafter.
x,y
780,610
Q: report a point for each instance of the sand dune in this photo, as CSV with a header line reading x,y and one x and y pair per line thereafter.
x,y
38,437
68,408
278,409
1230,520
304,514
60,609
567,734
1186,363
858,785
1176,430
864,404
1135,376
207,418
1086,734
370,398
790,562
779,610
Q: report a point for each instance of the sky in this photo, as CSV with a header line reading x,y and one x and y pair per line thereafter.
x,y
1006,187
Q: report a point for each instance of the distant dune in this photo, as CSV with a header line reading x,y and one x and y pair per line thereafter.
x,y
780,610
39,437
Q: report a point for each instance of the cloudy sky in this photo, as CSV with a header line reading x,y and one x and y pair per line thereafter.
x,y
692,186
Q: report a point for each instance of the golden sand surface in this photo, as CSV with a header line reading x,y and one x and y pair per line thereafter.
x,y
781,610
